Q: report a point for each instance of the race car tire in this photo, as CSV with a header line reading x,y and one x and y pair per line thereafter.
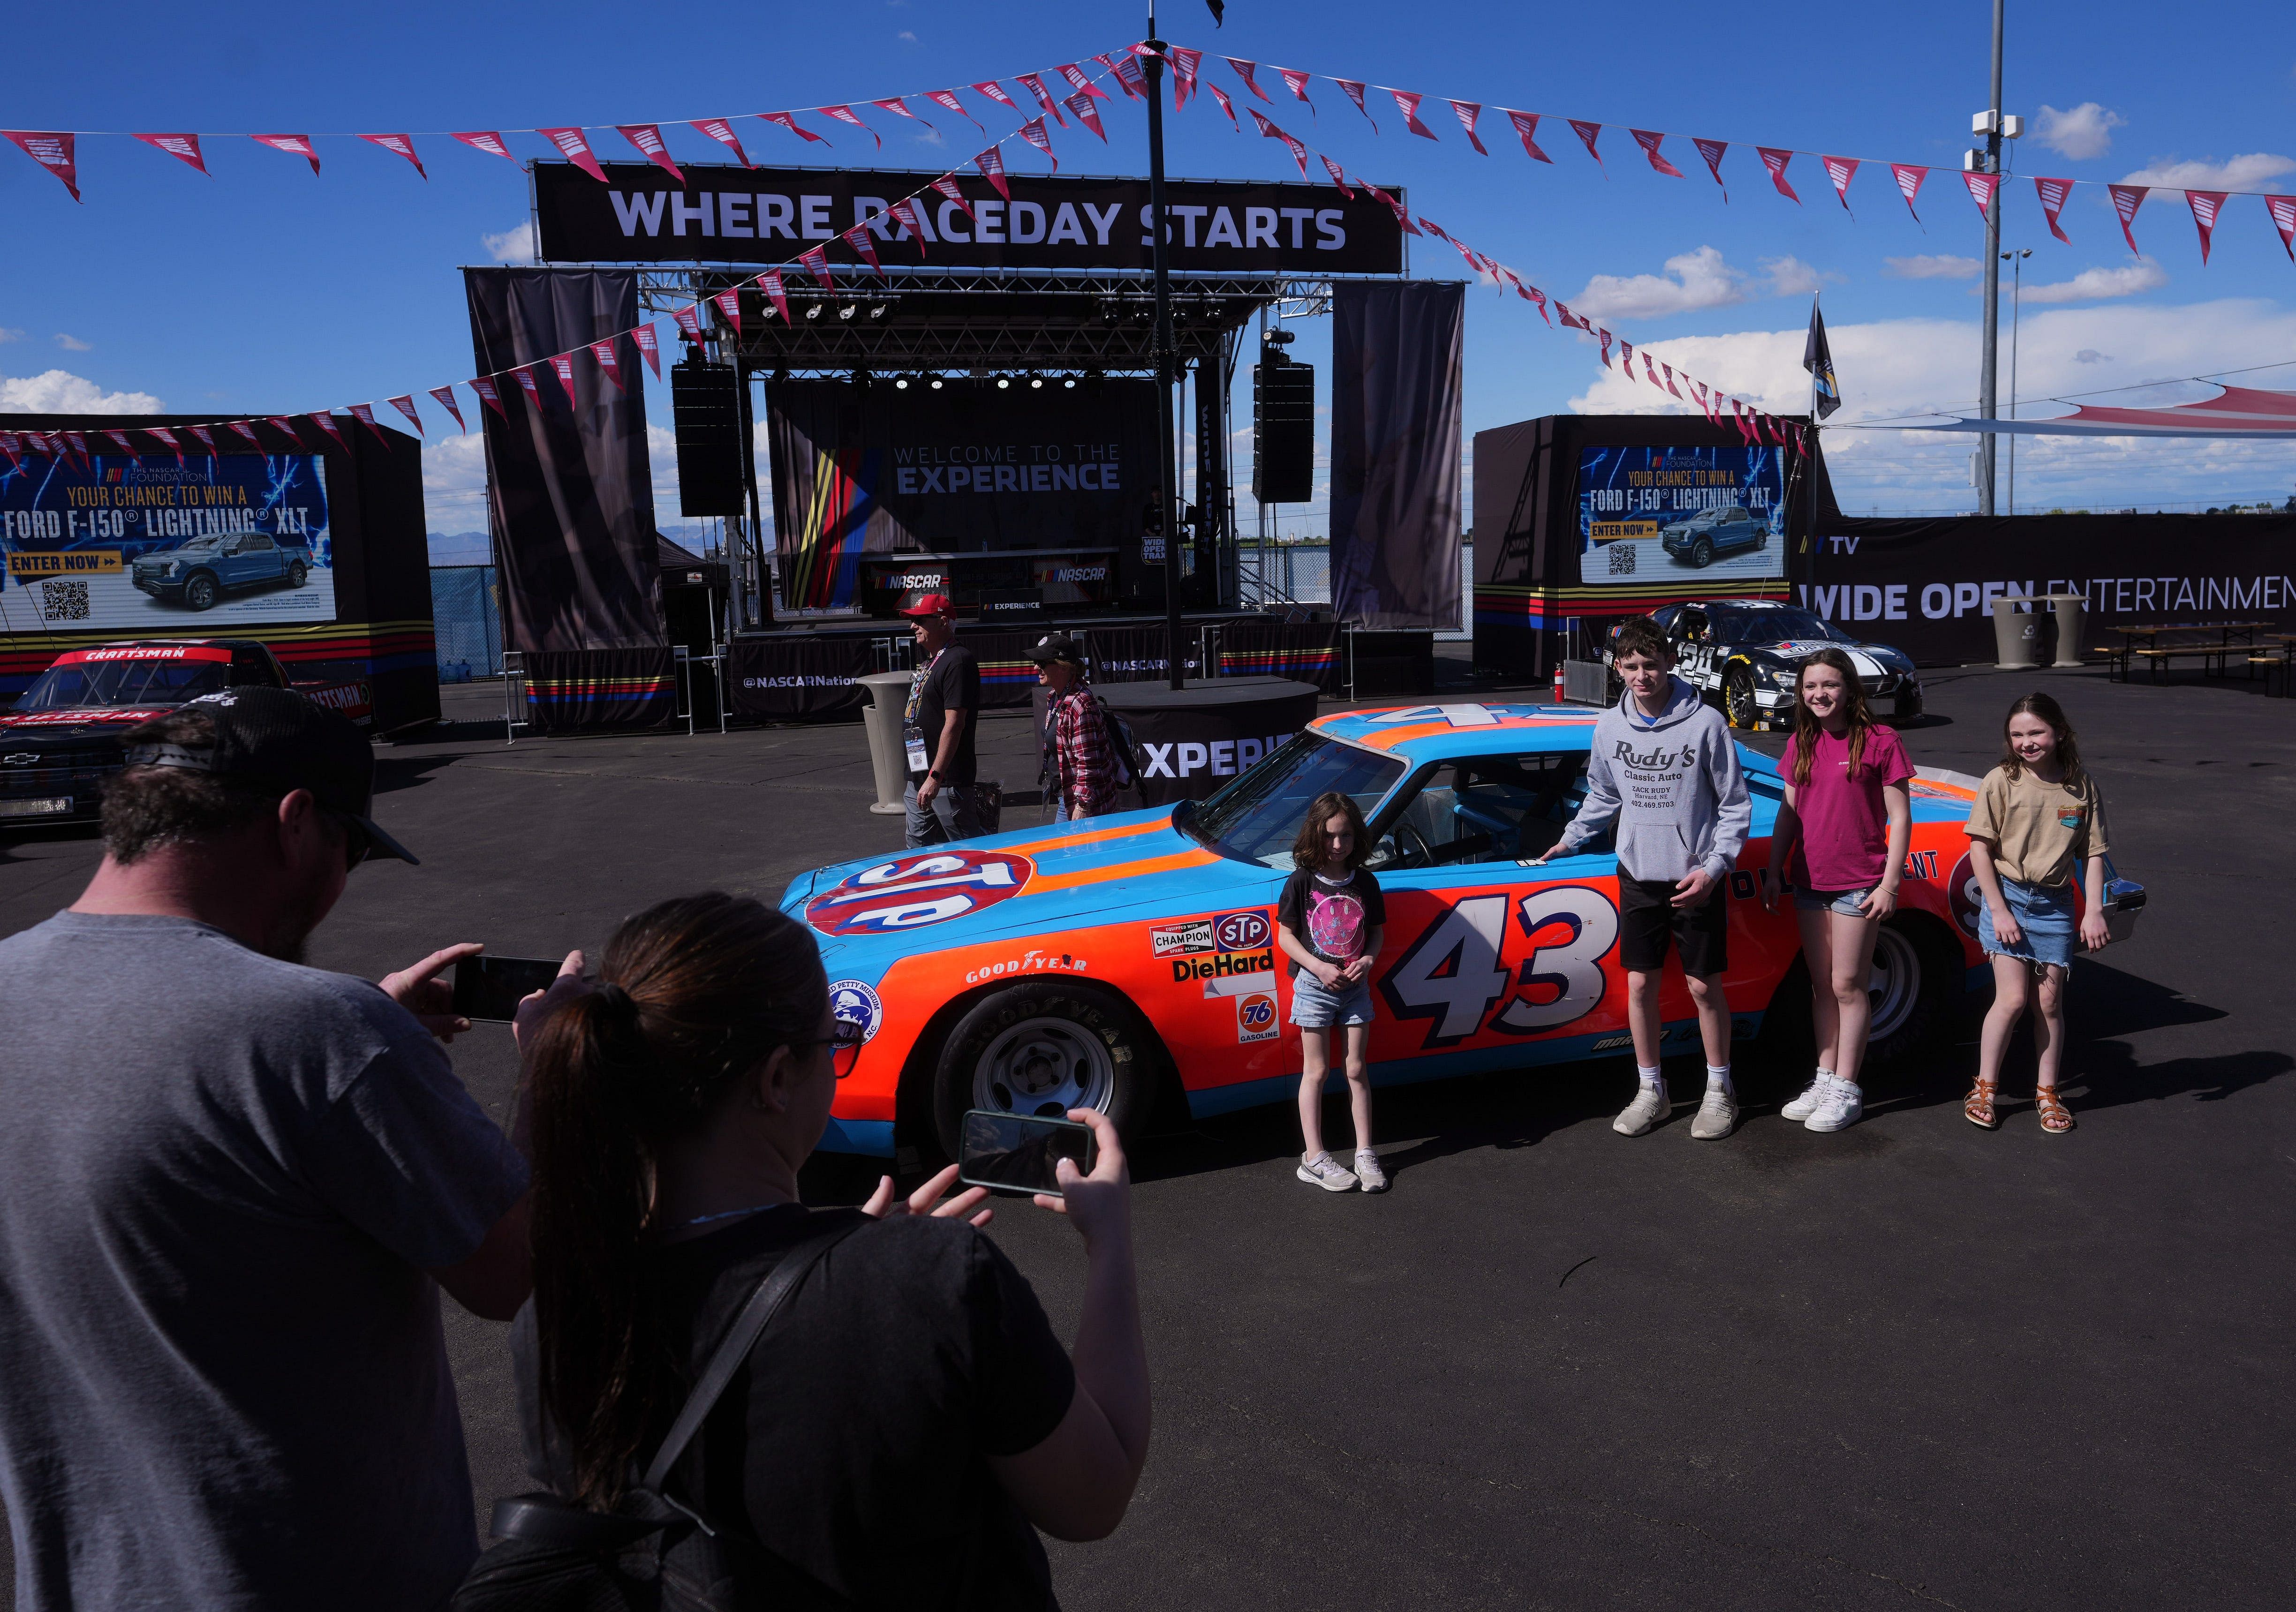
x,y
296,574
1908,708
200,592
1738,698
1916,977
1701,552
1044,1047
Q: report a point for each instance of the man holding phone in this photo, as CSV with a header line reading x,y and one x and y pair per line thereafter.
x,y
234,1185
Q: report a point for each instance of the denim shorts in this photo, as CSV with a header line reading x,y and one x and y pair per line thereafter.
x,y
1849,903
2045,914
1314,1008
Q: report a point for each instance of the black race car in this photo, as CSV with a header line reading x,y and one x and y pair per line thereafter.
x,y
1745,654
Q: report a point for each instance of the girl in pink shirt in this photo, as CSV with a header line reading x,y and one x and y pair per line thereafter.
x,y
1848,805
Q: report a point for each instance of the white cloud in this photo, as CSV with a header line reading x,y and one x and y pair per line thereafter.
x,y
58,392
11,335
2089,354
512,245
2091,284
1792,277
906,37
73,344
2238,173
1942,265
1693,281
2080,133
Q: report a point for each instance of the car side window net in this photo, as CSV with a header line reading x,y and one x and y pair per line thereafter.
x,y
1258,817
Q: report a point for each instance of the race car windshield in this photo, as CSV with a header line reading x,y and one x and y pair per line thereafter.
x,y
1258,817
122,683
1737,625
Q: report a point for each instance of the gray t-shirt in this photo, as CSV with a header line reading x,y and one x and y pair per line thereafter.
x,y
223,1382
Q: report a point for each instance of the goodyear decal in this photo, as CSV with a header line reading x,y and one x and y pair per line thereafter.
x,y
1031,961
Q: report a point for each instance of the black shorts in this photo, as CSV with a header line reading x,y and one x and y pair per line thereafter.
x,y
1647,915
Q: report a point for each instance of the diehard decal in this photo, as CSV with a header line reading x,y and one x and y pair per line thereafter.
x,y
851,1001
1227,964
916,891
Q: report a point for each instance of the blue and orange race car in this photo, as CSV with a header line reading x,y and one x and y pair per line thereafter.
x,y
1120,962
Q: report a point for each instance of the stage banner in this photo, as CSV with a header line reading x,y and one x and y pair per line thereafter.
x,y
770,215
142,543
1398,518
968,468
1928,586
1306,651
569,690
1660,523
798,677
1007,675
1201,738
1136,655
568,480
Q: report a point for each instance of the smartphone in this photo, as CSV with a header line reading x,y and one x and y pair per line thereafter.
x,y
1016,1153
492,988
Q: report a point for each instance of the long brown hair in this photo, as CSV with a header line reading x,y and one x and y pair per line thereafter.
x,y
2045,706
697,993
1807,728
1307,850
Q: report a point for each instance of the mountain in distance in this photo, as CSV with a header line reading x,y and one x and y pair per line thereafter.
x,y
461,548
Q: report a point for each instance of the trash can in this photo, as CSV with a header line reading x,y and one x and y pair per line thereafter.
x,y
2016,634
2073,624
888,691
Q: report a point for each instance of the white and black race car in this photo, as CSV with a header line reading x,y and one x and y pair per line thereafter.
x,y
1745,654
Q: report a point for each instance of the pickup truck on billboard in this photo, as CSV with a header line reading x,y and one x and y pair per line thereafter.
x,y
202,571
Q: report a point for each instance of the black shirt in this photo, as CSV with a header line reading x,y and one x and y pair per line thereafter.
x,y
853,1447
1333,920
952,684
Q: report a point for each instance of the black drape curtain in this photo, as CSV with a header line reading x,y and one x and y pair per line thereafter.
x,y
569,486
1398,359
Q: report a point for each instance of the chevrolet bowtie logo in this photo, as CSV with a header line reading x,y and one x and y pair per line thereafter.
x,y
22,759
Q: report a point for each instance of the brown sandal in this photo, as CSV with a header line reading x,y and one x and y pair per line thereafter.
x,y
1977,1108
2054,1115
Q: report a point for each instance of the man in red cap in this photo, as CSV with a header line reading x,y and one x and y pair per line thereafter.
x,y
937,729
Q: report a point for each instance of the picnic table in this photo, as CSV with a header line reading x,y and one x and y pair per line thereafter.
x,y
2161,645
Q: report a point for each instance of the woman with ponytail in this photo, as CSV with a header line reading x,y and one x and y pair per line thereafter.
x,y
1847,821
908,1414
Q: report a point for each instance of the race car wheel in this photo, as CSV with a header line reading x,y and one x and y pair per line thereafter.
x,y
1908,708
296,574
1738,698
1913,987
199,593
1043,1048
1701,552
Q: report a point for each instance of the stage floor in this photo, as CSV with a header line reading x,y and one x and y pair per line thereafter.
x,y
1911,1364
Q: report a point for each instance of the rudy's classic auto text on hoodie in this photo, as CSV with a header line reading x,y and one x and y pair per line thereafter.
x,y
1673,783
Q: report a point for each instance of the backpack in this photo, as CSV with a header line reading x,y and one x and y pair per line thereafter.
x,y
1131,760
652,1553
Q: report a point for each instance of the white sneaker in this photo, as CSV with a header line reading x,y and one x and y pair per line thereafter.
x,y
1325,1171
1369,1175
1718,1115
1649,1106
1844,1102
1810,1101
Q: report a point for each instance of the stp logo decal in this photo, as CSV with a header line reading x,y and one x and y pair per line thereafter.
x,y
1255,1016
1240,931
850,1001
1965,897
923,888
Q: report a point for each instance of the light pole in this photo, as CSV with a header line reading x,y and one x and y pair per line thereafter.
x,y
2016,262
1168,470
1995,127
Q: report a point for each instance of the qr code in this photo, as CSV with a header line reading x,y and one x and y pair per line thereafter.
x,y
1622,558
64,599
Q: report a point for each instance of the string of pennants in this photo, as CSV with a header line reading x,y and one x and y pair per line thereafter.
x,y
1070,86
606,354
1840,171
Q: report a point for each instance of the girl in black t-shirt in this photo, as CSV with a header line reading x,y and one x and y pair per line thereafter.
x,y
1329,923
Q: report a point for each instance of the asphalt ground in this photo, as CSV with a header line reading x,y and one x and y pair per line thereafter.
x,y
1912,1364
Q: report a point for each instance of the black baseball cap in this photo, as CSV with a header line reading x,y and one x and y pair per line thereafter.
x,y
1054,647
277,738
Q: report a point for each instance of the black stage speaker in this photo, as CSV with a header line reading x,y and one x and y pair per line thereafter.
x,y
705,401
1283,429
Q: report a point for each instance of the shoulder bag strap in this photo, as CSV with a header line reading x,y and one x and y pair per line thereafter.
x,y
748,1326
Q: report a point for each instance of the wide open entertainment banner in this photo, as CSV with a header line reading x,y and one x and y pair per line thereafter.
x,y
769,215
71,533
1672,517
963,469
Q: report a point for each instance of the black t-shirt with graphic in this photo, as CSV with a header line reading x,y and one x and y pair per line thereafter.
x,y
1332,917
950,683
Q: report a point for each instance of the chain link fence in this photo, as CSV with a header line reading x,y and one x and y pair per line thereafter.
x,y
466,619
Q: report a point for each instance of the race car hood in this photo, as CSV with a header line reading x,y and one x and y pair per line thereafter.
x,y
80,720
1870,659
868,913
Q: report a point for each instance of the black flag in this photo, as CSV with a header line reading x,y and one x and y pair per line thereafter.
x,y
1817,358
1219,18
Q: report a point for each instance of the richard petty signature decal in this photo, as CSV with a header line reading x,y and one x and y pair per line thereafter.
x,y
1455,970
912,892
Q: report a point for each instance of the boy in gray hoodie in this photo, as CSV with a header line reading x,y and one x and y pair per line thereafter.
x,y
1664,765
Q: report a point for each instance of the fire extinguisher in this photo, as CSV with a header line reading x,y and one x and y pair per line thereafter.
x,y
1559,695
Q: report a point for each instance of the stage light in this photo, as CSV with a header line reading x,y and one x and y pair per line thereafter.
x,y
900,383
1004,382
849,310
877,309
932,380
814,311
1036,381
861,378
1069,380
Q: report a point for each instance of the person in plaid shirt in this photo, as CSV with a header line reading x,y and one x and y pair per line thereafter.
x,y
1077,760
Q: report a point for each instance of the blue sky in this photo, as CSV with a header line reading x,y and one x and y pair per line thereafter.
x,y
267,289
